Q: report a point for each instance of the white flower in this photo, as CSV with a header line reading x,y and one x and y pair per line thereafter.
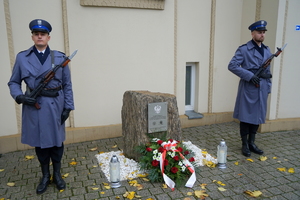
x,y
154,157
159,154
173,154
155,139
180,163
183,168
155,151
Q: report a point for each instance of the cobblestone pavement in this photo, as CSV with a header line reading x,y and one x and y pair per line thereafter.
x,y
257,175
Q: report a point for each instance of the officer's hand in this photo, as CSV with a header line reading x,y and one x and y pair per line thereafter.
x,y
266,75
65,115
25,100
255,80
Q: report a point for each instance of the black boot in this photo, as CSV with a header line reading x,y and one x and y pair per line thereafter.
x,y
252,146
42,187
245,148
57,179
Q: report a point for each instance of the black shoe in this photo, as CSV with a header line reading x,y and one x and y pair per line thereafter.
x,y
252,146
57,179
42,187
255,149
245,150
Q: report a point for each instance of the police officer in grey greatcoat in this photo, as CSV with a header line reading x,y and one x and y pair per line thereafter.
x,y
251,101
43,128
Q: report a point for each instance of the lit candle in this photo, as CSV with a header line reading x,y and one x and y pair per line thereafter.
x,y
222,154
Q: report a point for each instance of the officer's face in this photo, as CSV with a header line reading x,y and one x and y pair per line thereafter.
x,y
258,36
40,39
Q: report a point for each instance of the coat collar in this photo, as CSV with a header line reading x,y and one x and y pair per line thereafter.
x,y
34,61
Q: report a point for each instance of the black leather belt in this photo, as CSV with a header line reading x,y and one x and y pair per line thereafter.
x,y
49,92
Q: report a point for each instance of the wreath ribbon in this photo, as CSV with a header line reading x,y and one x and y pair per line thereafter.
x,y
170,146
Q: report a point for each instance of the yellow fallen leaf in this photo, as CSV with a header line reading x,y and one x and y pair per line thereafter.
x,y
95,166
204,152
139,187
117,197
61,190
101,152
73,163
114,146
274,157
129,195
189,193
164,186
200,194
133,182
107,187
283,169
137,196
1,170
145,179
203,185
221,189
209,163
142,175
2,199
263,158
11,184
94,188
149,199
187,198
94,149
102,192
254,193
236,163
249,159
65,175
29,157
105,183
291,170
220,183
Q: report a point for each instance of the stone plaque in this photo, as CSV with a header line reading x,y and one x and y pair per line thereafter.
x,y
157,117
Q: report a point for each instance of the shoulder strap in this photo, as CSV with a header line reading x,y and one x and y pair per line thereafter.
x,y
52,59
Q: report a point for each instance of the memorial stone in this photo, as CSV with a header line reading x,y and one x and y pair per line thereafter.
x,y
135,119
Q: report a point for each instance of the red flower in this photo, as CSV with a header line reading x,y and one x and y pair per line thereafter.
x,y
154,163
192,159
148,149
160,142
176,158
166,162
171,140
179,149
174,170
161,149
186,152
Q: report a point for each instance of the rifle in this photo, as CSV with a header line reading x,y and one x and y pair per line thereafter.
x,y
49,76
263,67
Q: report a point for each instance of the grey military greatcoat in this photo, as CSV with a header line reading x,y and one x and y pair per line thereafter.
x,y
251,102
42,128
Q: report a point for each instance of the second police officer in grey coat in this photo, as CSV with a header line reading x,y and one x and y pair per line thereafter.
x,y
43,128
251,101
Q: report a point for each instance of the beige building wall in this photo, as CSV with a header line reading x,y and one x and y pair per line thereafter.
x,y
122,49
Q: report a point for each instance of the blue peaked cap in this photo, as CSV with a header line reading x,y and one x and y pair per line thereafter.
x,y
258,26
40,25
